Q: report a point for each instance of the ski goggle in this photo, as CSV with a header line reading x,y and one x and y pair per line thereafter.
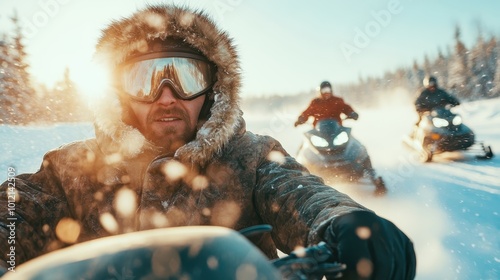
x,y
326,90
188,75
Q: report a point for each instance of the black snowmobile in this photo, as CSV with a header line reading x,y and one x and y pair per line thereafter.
x,y
190,252
329,150
441,130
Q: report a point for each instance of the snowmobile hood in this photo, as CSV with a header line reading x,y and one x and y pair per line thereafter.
x,y
130,35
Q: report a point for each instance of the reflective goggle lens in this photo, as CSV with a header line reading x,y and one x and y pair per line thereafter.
x,y
144,80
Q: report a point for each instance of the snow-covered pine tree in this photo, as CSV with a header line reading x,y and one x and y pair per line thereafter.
x,y
26,96
440,68
417,77
495,62
482,75
17,96
428,70
490,65
458,73
66,100
12,108
7,82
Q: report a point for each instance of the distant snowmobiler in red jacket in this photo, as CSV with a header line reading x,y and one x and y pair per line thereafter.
x,y
327,106
329,149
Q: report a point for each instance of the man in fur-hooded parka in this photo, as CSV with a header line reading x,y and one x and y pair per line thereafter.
x,y
226,176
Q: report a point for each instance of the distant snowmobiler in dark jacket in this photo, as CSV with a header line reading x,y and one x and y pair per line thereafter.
x,y
172,149
327,106
433,97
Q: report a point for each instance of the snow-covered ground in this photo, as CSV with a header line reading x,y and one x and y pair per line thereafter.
x,y
449,208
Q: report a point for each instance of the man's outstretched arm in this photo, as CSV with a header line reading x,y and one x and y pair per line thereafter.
x,y
304,211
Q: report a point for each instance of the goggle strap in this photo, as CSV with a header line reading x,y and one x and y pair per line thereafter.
x,y
165,55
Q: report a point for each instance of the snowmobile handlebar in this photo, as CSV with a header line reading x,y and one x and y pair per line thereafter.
x,y
312,262
429,110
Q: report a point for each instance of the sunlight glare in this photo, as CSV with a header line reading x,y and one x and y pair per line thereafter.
x,y
93,79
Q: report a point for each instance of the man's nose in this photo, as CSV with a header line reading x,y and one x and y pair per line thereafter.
x,y
167,96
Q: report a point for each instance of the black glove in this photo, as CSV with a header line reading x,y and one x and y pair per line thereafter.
x,y
371,247
354,115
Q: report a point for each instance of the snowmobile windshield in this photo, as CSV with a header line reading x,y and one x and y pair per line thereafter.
x,y
327,127
188,75
442,112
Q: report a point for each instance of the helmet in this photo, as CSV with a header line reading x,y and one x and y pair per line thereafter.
x,y
325,87
430,81
325,84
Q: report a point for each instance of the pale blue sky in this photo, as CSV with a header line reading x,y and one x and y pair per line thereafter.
x,y
286,46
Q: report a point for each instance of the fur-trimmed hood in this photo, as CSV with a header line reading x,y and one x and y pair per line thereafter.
x,y
130,35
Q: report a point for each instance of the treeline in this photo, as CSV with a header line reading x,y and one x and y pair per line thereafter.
x,y
23,102
468,73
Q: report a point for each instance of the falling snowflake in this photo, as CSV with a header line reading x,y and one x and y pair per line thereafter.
x,y
164,204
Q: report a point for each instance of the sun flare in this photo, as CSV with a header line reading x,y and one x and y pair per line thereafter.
x,y
92,79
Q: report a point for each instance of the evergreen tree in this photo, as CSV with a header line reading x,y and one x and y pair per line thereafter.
x,y
492,53
418,75
496,78
65,103
17,97
12,109
481,76
458,79
427,65
6,81
44,105
64,95
473,74
26,94
440,68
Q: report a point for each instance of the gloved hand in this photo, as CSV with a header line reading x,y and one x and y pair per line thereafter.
x,y
354,115
300,120
371,247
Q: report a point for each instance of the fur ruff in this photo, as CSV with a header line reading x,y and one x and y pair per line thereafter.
x,y
131,34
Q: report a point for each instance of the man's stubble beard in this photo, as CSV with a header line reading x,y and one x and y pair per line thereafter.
x,y
169,139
